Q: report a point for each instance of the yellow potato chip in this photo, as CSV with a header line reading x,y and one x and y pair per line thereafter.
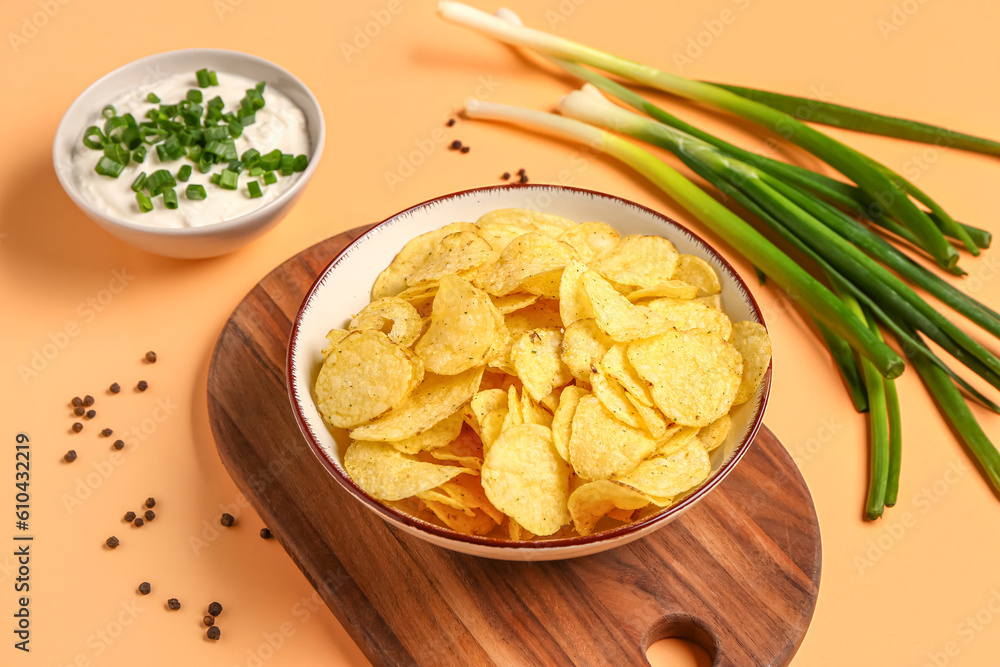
x,y
715,433
388,474
525,478
751,339
414,254
600,445
486,401
535,357
562,419
615,365
622,515
591,240
436,436
640,261
678,439
514,416
466,449
574,304
462,331
673,289
516,532
543,314
689,315
617,316
364,376
693,374
669,476
696,271
533,413
334,336
437,397
544,284
468,490
527,219
526,256
499,233
511,302
498,356
454,253
398,316
613,397
491,427
590,502
583,347
474,522
650,418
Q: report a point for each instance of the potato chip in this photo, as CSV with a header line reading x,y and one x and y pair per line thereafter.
x,y
668,476
364,376
616,365
613,397
499,233
491,427
388,474
334,336
678,439
414,254
693,374
420,297
562,419
617,316
514,416
591,240
533,413
486,401
751,339
498,356
436,436
590,502
468,490
536,359
650,418
437,397
398,316
454,253
583,347
516,532
543,314
600,445
640,261
544,284
466,449
526,256
474,522
574,304
551,400
673,289
622,515
688,315
511,302
715,433
525,478
463,327
527,219
697,272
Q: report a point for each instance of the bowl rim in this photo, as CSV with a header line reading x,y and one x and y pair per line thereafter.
x,y
240,221
394,515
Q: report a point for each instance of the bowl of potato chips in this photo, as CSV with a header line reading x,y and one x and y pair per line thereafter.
x,y
529,372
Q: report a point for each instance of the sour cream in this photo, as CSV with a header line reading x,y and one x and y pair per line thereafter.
x,y
280,124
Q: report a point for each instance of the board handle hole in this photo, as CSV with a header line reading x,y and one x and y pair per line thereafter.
x,y
680,640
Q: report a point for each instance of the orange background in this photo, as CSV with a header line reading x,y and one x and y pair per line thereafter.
x,y
910,589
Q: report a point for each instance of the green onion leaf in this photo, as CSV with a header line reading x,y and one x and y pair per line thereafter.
x,y
203,80
228,179
213,80
193,95
270,178
139,155
195,192
108,167
235,128
250,157
301,162
109,112
160,178
169,197
271,161
215,179
93,138
152,98
145,203
253,187
184,173
255,171
287,164
140,182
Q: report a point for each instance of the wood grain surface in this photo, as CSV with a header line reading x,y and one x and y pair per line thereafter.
x,y
738,574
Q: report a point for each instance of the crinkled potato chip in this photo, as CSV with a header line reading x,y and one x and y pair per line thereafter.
x,y
640,261
364,376
673,289
525,478
693,374
334,336
544,285
418,250
511,302
486,401
406,323
663,476
388,474
590,502
516,532
543,314
529,220
526,256
474,522
689,315
601,446
514,416
616,365
650,417
466,450
696,271
462,331
591,240
678,439
533,413
468,490
583,347
536,359
613,397
437,397
562,419
751,339
574,304
454,253
436,436
617,316
715,433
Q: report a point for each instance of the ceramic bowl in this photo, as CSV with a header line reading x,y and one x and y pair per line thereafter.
x,y
187,242
343,288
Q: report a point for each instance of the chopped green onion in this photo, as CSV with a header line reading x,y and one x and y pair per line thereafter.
x,y
205,163
235,128
260,87
93,138
145,203
255,171
215,133
184,173
108,167
230,153
158,179
253,187
109,112
301,162
270,178
169,197
215,179
195,192
215,148
213,80
287,164
139,154
152,98
250,157
235,165
228,179
140,182
203,80
271,161
193,95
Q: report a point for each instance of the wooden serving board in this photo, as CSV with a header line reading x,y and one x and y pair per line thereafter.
x,y
738,574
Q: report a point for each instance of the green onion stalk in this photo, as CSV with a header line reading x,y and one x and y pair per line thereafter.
x,y
885,187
